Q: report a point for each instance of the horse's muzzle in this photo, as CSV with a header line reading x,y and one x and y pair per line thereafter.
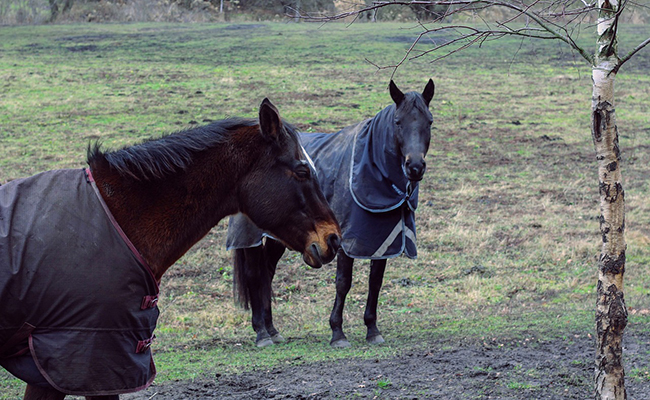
x,y
414,170
314,255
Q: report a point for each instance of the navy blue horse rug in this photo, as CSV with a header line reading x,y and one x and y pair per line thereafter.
x,y
74,293
363,181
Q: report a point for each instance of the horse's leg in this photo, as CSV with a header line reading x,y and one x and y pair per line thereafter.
x,y
259,289
273,251
251,280
33,392
343,283
257,265
377,268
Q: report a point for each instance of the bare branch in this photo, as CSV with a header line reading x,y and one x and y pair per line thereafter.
x,y
554,30
544,19
631,53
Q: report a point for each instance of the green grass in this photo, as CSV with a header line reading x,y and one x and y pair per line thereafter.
x,y
508,217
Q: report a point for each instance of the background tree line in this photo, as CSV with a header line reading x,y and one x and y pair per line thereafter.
x,y
47,11
44,11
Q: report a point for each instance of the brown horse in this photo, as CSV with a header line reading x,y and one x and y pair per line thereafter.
x,y
85,326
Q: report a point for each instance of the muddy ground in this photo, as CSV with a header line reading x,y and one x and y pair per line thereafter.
x,y
558,369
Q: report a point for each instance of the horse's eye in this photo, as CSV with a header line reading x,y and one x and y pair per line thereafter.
x,y
302,172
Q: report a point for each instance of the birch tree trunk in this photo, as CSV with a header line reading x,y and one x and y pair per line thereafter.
x,y
611,312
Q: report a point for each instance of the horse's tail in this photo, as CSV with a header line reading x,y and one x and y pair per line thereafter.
x,y
240,288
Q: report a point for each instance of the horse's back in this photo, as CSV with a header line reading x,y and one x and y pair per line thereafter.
x,y
331,155
71,282
33,214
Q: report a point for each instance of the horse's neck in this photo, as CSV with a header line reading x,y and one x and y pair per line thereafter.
x,y
382,130
163,219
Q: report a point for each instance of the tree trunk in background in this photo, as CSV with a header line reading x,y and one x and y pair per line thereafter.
x,y
611,312
54,8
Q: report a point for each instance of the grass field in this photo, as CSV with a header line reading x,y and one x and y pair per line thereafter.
x,y
508,219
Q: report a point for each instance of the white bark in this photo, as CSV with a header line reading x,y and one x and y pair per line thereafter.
x,y
611,312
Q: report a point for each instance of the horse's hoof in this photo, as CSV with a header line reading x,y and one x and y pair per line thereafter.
x,y
277,338
340,344
264,342
375,340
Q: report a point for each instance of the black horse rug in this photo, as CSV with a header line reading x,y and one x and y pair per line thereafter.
x,y
75,295
361,176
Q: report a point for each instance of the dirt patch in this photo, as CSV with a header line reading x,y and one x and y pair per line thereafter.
x,y
437,37
244,26
521,369
75,49
86,38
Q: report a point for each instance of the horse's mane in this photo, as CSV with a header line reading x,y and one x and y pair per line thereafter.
x,y
157,158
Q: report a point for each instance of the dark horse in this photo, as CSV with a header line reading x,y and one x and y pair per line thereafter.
x,y
369,173
82,251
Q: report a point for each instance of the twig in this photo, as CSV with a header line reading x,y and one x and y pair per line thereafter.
x,y
630,54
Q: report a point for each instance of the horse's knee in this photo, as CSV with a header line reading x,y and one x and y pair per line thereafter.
x,y
343,284
343,274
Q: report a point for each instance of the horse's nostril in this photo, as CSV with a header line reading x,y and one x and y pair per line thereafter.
x,y
313,256
334,242
315,250
414,169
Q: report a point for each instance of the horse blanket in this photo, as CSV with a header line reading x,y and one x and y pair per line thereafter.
x,y
77,301
359,170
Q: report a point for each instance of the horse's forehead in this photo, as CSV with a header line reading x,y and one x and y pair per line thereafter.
x,y
293,147
414,104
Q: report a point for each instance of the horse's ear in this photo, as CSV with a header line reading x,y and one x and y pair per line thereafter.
x,y
395,93
428,91
270,122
